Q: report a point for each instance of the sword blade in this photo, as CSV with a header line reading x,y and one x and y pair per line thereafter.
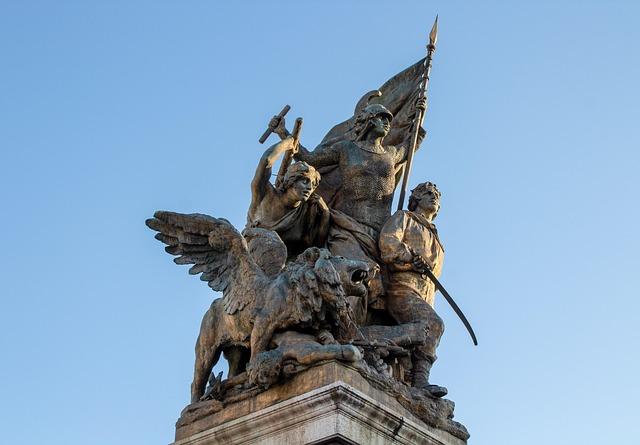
x,y
453,304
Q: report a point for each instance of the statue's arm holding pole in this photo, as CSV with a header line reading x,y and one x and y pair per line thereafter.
x,y
421,107
286,160
260,183
273,123
322,156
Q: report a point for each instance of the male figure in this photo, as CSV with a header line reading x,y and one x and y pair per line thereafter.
x,y
368,172
300,217
408,243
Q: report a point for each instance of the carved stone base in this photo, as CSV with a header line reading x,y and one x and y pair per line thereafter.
x,y
328,404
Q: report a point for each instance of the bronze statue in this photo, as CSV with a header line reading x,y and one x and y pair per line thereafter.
x,y
367,178
409,242
293,210
302,349
367,168
322,270
310,293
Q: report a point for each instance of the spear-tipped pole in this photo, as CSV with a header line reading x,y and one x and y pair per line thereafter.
x,y
424,83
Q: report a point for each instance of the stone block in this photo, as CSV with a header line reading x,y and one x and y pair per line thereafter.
x,y
328,404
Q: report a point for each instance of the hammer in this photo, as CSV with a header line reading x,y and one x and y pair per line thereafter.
x,y
273,124
288,156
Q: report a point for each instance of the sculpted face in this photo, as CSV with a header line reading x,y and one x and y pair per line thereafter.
x,y
380,125
299,183
374,121
302,188
429,202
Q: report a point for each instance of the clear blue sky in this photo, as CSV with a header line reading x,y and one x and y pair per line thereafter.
x,y
111,110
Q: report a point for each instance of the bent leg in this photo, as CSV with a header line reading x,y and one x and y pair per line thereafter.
x,y
406,307
207,351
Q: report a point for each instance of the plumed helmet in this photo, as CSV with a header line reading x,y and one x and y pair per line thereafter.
x,y
373,110
367,113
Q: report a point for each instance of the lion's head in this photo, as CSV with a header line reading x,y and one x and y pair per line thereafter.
x,y
321,284
332,278
353,275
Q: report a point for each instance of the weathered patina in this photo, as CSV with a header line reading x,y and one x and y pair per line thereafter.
x,y
323,271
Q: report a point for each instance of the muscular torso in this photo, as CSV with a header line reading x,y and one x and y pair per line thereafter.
x,y
368,183
267,211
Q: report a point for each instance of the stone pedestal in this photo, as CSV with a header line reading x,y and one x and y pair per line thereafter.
x,y
328,404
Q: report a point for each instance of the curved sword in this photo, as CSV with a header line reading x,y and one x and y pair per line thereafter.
x,y
452,303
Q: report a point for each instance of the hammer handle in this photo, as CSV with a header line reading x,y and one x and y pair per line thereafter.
x,y
297,128
270,129
286,160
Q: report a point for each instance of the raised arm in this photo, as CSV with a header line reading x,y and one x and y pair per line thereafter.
x,y
260,184
323,155
405,145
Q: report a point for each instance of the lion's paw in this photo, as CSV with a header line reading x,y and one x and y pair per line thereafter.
x,y
265,369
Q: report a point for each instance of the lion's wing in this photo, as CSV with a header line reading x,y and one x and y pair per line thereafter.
x,y
216,250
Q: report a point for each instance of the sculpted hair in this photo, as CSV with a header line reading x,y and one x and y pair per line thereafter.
x,y
421,189
314,280
299,170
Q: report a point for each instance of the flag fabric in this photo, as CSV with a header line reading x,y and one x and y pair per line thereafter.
x,y
399,95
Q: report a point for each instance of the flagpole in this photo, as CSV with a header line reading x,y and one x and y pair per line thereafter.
x,y
424,83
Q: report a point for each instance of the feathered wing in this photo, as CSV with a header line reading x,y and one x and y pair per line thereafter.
x,y
267,249
216,250
399,95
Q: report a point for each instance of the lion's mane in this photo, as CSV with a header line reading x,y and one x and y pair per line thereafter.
x,y
313,281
